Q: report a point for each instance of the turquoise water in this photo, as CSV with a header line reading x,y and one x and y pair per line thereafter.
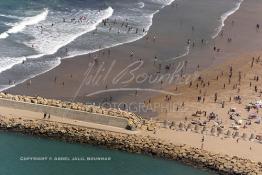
x,y
15,148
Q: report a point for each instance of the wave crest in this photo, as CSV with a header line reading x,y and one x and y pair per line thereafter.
x,y
63,33
224,17
25,22
141,5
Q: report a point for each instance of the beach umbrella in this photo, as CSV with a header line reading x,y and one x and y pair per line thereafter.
x,y
196,129
239,122
258,120
204,130
232,110
213,131
252,137
244,136
189,127
181,126
252,116
219,131
166,124
236,134
260,139
228,134
173,125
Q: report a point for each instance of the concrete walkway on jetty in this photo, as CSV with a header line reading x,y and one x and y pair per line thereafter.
x,y
26,114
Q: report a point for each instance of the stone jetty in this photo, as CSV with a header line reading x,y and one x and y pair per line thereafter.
x,y
223,164
134,120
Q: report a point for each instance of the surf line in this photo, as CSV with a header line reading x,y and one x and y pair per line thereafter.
x,y
25,22
224,17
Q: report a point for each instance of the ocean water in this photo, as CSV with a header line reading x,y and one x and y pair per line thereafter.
x,y
35,35
16,149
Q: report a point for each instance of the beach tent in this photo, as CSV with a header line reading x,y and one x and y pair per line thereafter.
x,y
259,103
232,110
258,120
239,122
252,116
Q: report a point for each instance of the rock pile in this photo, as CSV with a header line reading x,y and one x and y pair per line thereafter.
x,y
223,164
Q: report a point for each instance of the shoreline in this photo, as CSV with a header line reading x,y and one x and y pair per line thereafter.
x,y
84,54
83,59
225,16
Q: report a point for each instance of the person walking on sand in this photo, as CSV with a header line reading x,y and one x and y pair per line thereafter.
x,y
202,142
155,131
49,116
252,63
28,83
215,97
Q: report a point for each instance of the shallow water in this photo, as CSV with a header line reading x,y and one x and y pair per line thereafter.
x,y
15,148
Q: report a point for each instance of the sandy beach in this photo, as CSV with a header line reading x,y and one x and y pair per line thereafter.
x,y
71,74
71,77
228,80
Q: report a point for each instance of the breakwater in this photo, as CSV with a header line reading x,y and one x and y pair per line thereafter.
x,y
223,164
76,111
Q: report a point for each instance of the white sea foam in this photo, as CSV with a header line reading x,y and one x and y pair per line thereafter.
x,y
53,40
8,62
224,17
62,33
148,18
9,24
10,16
218,30
51,64
20,26
181,56
163,2
141,5
148,24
